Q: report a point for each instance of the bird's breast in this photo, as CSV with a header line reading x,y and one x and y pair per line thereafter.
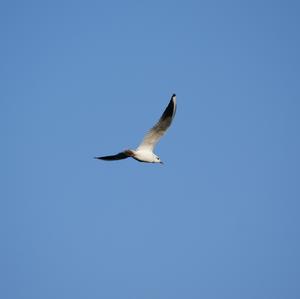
x,y
144,156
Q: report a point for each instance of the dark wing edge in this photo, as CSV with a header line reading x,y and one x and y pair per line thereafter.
x,y
170,110
119,156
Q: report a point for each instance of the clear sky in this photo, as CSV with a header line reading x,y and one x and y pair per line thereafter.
x,y
220,219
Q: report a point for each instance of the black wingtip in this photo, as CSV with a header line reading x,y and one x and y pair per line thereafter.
x,y
174,95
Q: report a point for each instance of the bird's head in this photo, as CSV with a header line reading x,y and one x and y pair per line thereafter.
x,y
157,160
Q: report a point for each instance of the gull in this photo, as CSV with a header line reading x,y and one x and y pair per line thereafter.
x,y
144,152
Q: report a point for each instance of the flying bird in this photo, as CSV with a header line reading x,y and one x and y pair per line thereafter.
x,y
144,152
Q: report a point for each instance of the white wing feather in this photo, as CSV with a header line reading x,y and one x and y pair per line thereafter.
x,y
159,129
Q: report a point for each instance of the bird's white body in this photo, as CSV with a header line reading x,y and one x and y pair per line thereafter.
x,y
145,156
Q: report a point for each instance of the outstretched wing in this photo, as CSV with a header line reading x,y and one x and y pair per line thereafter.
x,y
119,156
154,135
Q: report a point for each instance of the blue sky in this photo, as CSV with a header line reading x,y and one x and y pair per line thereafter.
x,y
220,219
